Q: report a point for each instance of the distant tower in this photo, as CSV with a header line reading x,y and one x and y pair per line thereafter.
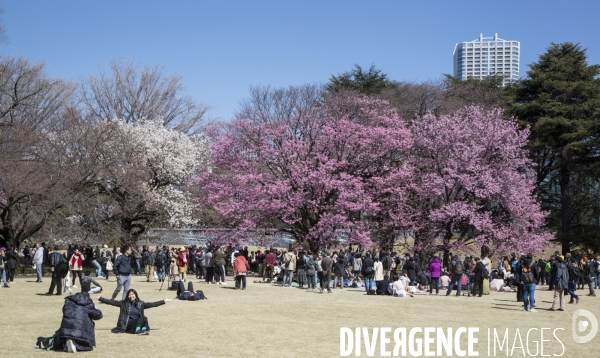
x,y
487,56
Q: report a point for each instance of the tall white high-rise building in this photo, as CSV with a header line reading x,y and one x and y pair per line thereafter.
x,y
487,56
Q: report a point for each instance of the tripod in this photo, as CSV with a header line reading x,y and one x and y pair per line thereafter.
x,y
171,277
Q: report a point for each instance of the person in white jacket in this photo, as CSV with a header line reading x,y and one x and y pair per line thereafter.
x,y
38,260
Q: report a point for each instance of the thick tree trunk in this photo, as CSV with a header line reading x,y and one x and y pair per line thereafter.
x,y
565,210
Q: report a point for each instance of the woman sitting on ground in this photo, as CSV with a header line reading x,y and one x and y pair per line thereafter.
x,y
131,315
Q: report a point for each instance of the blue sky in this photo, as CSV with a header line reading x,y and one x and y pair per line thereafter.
x,y
223,47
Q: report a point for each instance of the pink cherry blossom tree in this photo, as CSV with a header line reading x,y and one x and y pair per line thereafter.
x,y
473,185
310,171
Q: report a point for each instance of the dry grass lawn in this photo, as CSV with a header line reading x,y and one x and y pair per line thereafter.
x,y
271,321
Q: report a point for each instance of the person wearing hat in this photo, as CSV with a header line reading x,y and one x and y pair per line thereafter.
x,y
182,262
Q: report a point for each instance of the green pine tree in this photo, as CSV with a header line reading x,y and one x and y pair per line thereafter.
x,y
560,101
367,82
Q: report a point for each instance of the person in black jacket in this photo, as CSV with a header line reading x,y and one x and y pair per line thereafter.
x,y
529,277
76,332
479,276
339,268
59,268
11,264
131,314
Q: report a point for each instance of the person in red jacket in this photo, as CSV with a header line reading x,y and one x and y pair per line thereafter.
x,y
182,262
240,268
269,262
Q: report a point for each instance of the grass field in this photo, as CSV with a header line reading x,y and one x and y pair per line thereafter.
x,y
271,321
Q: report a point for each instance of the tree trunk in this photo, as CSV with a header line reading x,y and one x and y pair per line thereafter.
x,y
565,210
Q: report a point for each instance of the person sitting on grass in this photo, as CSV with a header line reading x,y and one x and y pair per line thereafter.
x,y
131,315
76,332
399,288
86,284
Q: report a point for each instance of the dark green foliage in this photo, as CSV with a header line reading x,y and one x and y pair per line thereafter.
x,y
370,82
560,101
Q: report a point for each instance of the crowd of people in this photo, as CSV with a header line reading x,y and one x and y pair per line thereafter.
x,y
378,272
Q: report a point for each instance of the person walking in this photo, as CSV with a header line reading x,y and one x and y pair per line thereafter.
x,y
435,269
574,274
561,282
122,269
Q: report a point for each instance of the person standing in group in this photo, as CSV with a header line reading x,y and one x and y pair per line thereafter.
x,y
209,263
377,270
45,259
97,262
561,282
137,256
479,275
107,263
368,272
590,276
240,269
27,255
220,266
311,272
159,263
60,269
122,269
339,268
574,274
149,259
199,260
435,269
11,264
457,269
182,263
269,266
3,267
356,268
327,265
38,261
289,264
529,277
301,270
76,265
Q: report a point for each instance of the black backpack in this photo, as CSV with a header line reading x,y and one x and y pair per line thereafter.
x,y
527,275
386,262
574,273
458,268
159,260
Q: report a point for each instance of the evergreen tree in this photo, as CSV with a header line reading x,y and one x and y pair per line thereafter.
x,y
369,82
560,101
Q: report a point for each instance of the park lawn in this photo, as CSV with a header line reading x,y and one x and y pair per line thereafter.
x,y
271,321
